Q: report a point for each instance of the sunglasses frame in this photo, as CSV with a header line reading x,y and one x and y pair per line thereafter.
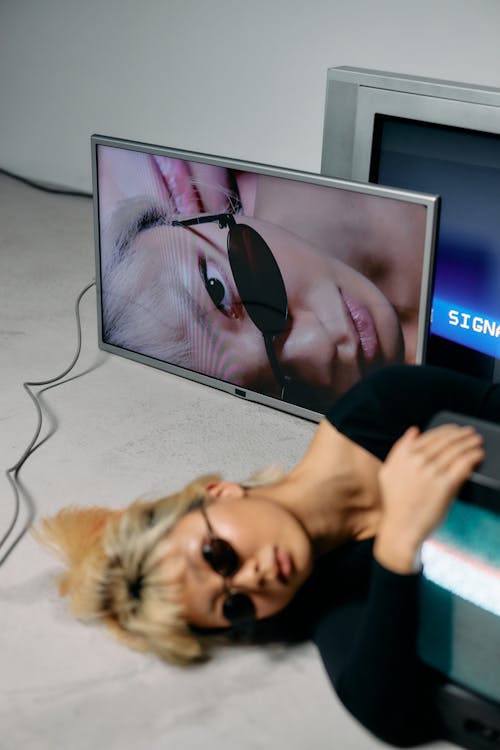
x,y
234,599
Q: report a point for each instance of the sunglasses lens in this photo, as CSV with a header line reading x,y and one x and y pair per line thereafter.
x,y
238,608
258,279
221,557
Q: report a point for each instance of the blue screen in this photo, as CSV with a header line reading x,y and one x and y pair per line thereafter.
x,y
463,167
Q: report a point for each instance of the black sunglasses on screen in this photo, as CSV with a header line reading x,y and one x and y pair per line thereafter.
x,y
262,292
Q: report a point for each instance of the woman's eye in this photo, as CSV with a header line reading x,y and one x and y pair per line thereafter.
x,y
217,287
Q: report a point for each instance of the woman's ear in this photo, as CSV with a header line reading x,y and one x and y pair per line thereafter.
x,y
225,490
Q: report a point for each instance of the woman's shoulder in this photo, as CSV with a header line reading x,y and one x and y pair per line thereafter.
x,y
377,409
370,394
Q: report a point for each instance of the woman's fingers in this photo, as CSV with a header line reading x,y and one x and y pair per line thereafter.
x,y
420,478
441,444
197,188
213,186
449,446
444,435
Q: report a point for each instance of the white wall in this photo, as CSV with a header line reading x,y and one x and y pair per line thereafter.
x,y
243,79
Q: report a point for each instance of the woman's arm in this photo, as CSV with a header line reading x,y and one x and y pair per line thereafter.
x,y
369,649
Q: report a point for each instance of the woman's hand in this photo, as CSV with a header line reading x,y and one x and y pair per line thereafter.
x,y
418,480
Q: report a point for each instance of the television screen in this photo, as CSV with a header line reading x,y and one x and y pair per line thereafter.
x,y
463,166
278,286
460,598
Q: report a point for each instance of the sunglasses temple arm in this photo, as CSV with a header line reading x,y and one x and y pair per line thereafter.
x,y
207,520
273,361
225,220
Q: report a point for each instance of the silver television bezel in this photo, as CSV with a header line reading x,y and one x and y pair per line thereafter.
x,y
431,202
354,96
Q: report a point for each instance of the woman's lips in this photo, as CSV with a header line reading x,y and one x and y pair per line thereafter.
x,y
364,325
284,565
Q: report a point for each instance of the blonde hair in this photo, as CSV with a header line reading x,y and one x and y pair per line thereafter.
x,y
114,572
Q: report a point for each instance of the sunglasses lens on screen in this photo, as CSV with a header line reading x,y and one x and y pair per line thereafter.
x,y
258,279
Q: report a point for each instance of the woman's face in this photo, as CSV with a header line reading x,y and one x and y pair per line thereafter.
x,y
273,549
340,324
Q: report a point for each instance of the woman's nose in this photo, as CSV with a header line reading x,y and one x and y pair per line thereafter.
x,y
320,337
253,574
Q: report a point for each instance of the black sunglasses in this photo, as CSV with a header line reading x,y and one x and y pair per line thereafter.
x,y
220,555
262,292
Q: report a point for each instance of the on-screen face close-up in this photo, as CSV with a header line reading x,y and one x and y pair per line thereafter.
x,y
182,304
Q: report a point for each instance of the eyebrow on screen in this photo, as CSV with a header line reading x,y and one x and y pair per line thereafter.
x,y
138,215
129,220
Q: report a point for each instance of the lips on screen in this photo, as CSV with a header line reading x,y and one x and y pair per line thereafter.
x,y
265,283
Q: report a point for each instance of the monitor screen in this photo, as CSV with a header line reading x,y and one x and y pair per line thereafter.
x,y
460,598
463,166
278,286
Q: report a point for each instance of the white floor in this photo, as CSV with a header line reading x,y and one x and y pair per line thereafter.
x,y
123,430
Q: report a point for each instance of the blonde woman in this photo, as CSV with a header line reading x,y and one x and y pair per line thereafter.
x,y
328,551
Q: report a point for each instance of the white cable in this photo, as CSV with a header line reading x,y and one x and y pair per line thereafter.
x,y
13,472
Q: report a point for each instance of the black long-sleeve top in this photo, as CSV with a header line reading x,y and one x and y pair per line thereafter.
x,y
368,645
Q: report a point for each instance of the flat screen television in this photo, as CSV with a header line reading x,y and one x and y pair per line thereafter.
x,y
278,286
441,137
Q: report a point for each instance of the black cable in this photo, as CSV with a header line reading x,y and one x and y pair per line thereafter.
x,y
45,188
13,472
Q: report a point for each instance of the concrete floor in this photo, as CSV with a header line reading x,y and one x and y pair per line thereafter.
x,y
122,430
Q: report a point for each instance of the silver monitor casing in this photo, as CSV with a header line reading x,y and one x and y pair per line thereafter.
x,y
431,202
355,95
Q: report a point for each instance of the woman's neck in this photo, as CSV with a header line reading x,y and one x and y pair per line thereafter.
x,y
335,500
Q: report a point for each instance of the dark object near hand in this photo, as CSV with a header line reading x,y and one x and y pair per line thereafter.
x,y
483,487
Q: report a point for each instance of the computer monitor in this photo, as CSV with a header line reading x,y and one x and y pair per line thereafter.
x,y
441,137
278,286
